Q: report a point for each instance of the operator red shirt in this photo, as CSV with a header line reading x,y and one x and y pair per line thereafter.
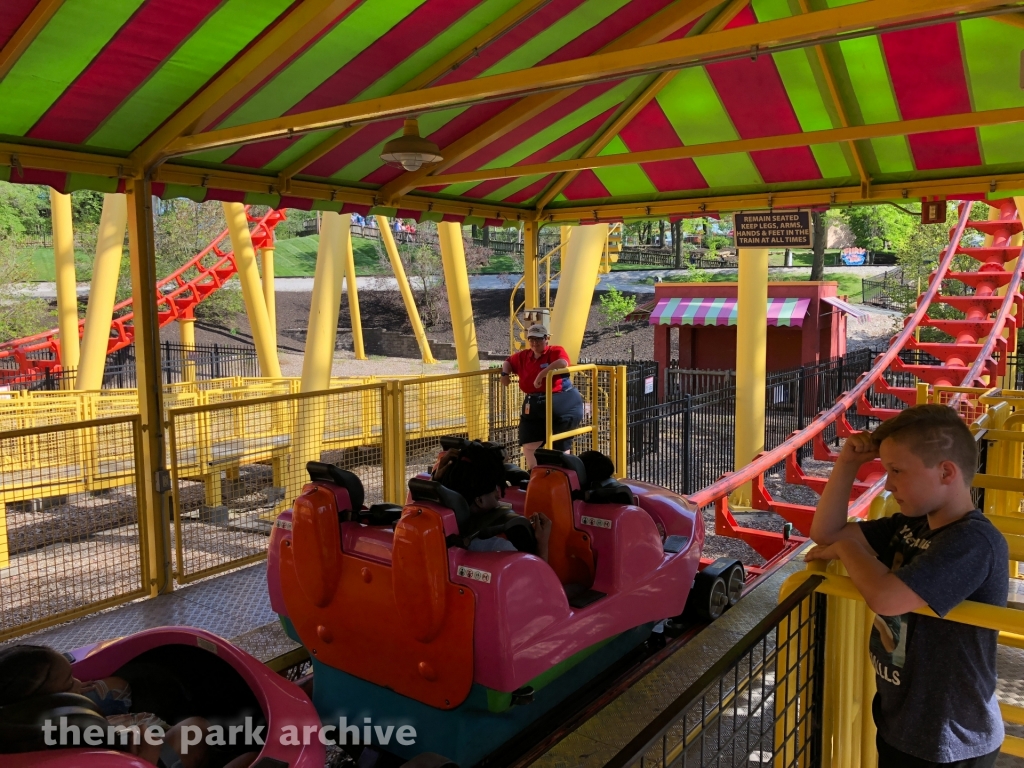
x,y
527,367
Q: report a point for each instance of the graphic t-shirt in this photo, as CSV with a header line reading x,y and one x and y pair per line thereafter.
x,y
527,367
937,679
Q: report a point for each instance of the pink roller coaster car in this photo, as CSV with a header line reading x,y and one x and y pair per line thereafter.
x,y
205,676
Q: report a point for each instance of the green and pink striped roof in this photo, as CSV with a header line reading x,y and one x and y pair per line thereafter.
x,y
722,311
103,75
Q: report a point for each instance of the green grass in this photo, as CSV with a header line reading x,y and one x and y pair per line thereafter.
x,y
40,263
297,257
849,285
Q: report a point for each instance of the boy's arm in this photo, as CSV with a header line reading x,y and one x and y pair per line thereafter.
x,y
829,523
883,591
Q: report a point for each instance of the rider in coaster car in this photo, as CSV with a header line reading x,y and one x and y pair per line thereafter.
x,y
30,671
477,473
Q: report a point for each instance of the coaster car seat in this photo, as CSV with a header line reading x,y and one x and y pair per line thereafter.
x,y
609,491
552,492
351,508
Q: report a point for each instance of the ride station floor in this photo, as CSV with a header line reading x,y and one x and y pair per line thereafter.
x,y
236,606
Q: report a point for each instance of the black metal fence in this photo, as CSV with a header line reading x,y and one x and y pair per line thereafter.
x,y
213,361
688,442
760,703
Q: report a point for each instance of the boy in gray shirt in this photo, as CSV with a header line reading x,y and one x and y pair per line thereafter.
x,y
936,702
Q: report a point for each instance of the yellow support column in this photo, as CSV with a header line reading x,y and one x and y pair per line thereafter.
x,y
153,477
252,293
187,330
103,291
267,263
456,278
581,259
531,283
321,334
353,295
64,261
403,285
751,351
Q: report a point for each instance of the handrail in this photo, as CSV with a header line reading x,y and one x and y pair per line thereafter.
x,y
549,438
513,309
659,727
730,482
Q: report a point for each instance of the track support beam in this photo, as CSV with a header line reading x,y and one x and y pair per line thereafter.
x,y
64,263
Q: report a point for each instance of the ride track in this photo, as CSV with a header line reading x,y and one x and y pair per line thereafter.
x,y
778,549
177,296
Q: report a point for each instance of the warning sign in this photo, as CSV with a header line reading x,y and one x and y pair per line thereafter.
x,y
773,229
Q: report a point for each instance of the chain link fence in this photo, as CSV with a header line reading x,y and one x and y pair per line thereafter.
x,y
70,538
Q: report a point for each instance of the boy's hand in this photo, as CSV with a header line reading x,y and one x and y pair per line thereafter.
x,y
858,449
541,527
820,552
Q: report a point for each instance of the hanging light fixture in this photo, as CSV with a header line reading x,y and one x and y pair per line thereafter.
x,y
410,151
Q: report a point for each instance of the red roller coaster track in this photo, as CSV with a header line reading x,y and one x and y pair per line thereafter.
x,y
177,297
974,358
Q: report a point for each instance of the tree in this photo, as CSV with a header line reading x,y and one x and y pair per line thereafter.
x,y
615,306
181,231
879,227
20,315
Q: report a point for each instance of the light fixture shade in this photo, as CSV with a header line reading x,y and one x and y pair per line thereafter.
x,y
410,151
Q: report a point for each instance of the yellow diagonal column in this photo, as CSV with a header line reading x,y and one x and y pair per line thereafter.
x,y
252,290
353,295
456,278
103,291
581,259
751,351
321,334
64,262
269,295
403,286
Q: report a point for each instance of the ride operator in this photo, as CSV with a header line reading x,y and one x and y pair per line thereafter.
x,y
532,365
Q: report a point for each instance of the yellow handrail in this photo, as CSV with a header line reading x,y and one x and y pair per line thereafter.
x,y
549,438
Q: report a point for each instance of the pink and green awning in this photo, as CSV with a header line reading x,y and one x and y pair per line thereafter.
x,y
722,311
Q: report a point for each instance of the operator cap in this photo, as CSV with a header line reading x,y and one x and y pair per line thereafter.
x,y
537,332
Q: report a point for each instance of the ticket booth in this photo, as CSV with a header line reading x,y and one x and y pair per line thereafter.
x,y
695,325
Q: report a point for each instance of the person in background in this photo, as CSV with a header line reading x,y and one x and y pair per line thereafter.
x,y
532,366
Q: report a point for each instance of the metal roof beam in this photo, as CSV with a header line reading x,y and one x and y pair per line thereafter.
x,y
859,19
829,197
782,141
727,14
509,20
664,23
26,34
306,20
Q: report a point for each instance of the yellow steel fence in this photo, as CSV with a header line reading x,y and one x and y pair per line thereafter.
x,y
236,450
71,536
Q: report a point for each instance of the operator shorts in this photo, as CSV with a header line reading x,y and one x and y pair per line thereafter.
x,y
566,414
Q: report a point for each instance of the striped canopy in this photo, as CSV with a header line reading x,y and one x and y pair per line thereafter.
x,y
710,311
93,91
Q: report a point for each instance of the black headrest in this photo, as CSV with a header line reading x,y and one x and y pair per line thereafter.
x,y
609,491
328,473
430,490
551,458
21,722
453,441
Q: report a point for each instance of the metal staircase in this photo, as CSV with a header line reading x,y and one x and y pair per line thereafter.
x,y
177,297
517,327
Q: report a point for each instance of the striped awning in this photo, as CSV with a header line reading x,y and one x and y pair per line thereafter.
x,y
709,311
